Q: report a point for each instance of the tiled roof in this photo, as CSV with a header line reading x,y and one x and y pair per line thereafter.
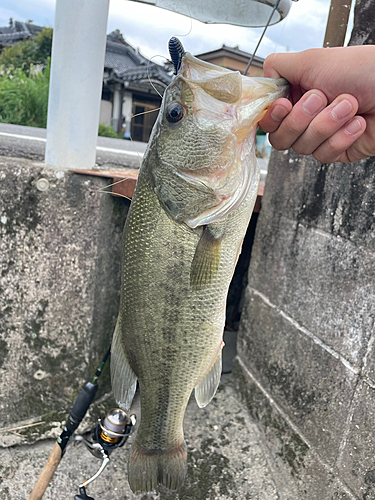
x,y
144,73
128,64
17,31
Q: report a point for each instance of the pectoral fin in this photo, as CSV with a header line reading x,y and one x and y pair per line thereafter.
x,y
206,390
124,380
205,264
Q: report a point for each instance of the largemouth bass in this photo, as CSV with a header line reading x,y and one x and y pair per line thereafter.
x,y
194,197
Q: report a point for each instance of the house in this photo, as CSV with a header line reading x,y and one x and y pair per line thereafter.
x,y
132,84
17,31
235,59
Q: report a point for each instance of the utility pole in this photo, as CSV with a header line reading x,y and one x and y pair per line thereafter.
x,y
337,23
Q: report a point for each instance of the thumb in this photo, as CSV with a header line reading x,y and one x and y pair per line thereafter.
x,y
292,67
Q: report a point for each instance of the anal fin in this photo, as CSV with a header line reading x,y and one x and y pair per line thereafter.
x,y
205,264
124,380
206,389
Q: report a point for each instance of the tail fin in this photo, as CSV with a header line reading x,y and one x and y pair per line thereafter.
x,y
148,468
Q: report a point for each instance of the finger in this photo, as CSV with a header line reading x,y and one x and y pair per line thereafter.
x,y
326,123
340,146
298,120
274,116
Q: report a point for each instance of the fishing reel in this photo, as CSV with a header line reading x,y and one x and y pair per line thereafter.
x,y
109,434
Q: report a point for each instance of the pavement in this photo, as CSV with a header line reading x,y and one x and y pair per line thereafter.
x,y
226,460
30,142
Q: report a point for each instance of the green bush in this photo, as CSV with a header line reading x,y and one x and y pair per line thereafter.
x,y
24,98
107,131
27,54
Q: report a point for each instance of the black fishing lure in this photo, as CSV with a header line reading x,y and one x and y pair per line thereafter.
x,y
176,51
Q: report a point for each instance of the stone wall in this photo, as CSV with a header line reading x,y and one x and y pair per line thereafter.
x,y
59,286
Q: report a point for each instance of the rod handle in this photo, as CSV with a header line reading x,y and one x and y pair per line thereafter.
x,y
47,473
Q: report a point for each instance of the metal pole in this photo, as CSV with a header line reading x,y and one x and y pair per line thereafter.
x,y
337,23
261,38
78,51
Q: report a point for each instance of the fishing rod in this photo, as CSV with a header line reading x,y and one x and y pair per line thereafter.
x,y
106,436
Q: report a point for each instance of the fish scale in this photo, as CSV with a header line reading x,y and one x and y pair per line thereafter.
x,y
176,272
160,302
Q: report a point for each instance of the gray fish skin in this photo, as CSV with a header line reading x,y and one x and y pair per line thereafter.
x,y
196,190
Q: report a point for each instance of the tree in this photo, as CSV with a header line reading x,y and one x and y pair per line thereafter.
x,y
28,53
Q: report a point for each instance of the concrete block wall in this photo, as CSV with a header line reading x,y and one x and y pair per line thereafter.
x,y
59,288
305,361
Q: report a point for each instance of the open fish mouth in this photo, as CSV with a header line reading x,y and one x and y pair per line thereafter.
x,y
234,104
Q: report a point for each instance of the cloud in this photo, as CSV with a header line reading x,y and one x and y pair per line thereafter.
x,y
150,28
42,12
303,28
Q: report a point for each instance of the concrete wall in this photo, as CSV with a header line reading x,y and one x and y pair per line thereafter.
x,y
60,284
306,364
306,340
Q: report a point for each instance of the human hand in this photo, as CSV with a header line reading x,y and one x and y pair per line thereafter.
x,y
333,92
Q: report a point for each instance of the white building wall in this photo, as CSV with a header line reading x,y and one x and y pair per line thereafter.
x,y
105,112
117,107
127,109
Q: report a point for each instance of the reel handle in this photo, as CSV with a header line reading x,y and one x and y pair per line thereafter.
x,y
82,495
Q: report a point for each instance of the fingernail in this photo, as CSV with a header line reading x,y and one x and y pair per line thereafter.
x,y
313,104
353,127
279,113
342,109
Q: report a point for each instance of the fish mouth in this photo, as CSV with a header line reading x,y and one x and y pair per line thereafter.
x,y
244,99
258,95
219,98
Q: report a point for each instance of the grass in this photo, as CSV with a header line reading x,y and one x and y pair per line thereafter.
x,y
107,131
23,98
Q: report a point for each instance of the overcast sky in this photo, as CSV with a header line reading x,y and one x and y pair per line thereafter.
x,y
150,28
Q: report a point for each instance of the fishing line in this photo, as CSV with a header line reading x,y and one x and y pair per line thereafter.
x,y
130,137
191,23
280,34
148,75
99,191
144,112
149,79
261,38
102,190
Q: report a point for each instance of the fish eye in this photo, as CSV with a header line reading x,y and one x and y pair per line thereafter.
x,y
174,112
